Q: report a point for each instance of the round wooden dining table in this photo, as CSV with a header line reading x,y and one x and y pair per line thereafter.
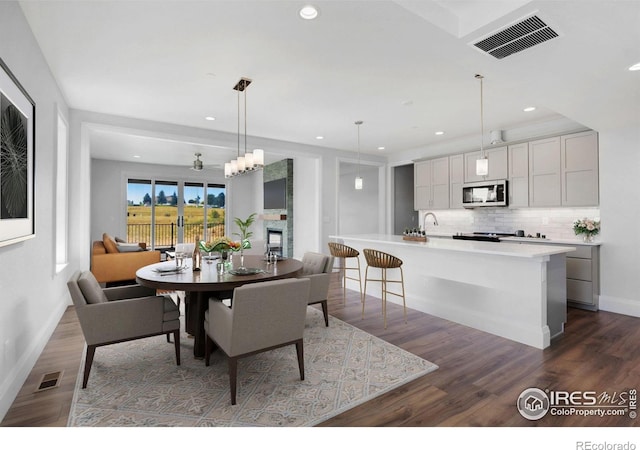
x,y
201,285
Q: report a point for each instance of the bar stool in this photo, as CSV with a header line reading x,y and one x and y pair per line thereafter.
x,y
341,252
383,261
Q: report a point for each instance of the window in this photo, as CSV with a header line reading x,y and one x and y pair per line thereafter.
x,y
61,212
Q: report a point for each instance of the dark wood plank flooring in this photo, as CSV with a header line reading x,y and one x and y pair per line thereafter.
x,y
477,385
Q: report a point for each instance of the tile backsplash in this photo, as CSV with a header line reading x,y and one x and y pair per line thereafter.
x,y
555,223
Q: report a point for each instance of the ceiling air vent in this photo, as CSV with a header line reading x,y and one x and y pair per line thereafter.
x,y
517,37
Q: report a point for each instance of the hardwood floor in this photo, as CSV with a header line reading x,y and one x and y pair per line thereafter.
x,y
477,385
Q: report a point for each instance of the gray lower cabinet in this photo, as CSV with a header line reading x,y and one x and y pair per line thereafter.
x,y
583,277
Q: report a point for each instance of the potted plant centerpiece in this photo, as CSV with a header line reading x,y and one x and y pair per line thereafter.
x,y
588,228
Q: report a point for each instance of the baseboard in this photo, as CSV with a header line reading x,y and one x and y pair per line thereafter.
x,y
20,372
620,305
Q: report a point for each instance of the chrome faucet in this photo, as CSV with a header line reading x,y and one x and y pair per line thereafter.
x,y
424,221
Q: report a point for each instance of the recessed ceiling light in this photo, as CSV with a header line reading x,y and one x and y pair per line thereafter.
x,y
380,148
210,118
319,138
635,67
529,109
136,156
439,133
308,12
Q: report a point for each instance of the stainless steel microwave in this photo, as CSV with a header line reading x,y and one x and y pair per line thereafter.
x,y
485,193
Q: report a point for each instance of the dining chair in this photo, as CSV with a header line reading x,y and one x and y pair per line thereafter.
x,y
118,314
317,267
383,261
262,317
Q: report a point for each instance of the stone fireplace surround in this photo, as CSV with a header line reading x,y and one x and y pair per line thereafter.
x,y
276,171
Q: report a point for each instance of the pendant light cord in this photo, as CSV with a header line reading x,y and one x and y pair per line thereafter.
x,y
358,123
480,77
245,121
238,123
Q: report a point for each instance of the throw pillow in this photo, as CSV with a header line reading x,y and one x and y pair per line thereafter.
x,y
129,248
109,243
91,289
119,240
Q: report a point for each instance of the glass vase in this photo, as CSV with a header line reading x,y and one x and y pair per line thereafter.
x,y
587,238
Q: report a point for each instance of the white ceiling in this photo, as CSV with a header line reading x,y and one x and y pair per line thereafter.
x,y
403,67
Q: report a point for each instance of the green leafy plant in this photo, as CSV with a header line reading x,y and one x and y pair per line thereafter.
x,y
244,226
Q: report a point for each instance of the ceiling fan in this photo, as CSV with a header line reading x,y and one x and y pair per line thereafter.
x,y
197,163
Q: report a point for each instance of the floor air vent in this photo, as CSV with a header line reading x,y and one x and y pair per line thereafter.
x,y
517,37
49,381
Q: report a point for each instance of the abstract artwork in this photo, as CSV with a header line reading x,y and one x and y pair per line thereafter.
x,y
17,120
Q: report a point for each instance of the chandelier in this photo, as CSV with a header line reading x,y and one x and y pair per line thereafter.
x,y
248,161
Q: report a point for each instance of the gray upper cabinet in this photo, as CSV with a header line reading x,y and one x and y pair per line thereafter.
x,y
579,169
498,168
544,172
431,184
519,175
456,180
549,172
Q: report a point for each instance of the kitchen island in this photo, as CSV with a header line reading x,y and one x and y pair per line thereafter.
x,y
513,290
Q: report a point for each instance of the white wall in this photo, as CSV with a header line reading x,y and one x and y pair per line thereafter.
x,y
620,215
109,192
358,210
306,206
33,296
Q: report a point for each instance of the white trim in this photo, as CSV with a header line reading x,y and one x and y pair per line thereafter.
x,y
626,306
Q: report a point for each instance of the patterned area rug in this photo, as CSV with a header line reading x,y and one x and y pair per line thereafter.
x,y
138,384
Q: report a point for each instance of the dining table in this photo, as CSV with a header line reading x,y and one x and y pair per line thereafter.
x,y
210,282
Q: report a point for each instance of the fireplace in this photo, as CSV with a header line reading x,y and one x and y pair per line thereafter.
x,y
274,240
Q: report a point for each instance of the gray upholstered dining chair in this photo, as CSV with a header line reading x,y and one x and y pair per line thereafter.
x,y
262,316
318,267
119,314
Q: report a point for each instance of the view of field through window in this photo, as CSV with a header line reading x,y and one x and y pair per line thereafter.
x,y
159,215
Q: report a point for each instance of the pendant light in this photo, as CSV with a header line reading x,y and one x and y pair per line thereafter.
x,y
248,161
358,177
482,164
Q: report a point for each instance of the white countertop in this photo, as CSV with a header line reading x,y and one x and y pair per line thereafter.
x,y
520,250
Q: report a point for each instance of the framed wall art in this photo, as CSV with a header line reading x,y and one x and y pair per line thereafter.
x,y
17,160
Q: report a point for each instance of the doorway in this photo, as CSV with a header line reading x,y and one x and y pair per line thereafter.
x,y
404,214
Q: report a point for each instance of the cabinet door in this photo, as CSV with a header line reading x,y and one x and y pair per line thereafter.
x,y
440,183
519,175
498,169
456,179
579,159
544,172
422,183
432,184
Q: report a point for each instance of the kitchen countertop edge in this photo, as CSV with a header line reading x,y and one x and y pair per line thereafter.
x,y
519,250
